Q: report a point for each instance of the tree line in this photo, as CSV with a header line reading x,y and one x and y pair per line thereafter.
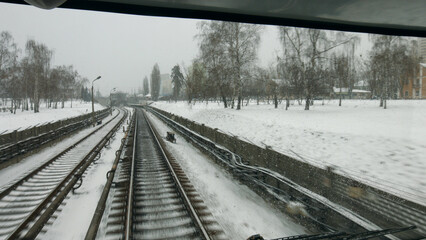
x,y
312,63
27,80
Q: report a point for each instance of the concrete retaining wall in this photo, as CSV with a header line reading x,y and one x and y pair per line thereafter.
x,y
16,136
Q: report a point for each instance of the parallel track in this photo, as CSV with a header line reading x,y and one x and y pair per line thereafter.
x,y
9,152
152,198
26,205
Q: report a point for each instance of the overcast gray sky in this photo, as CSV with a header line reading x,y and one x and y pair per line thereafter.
x,y
121,48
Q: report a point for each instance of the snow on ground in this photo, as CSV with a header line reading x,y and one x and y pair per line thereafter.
x,y
384,148
76,215
25,119
240,212
14,172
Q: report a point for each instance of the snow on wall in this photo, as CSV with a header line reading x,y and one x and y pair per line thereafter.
x,y
22,120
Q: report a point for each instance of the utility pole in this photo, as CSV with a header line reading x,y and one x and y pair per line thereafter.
x,y
93,103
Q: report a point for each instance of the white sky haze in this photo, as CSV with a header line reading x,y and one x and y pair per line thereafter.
x,y
121,48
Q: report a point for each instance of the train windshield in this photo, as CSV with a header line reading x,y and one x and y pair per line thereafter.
x,y
138,127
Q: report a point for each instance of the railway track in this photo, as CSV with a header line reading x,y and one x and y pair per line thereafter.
x,y
314,211
10,151
27,205
151,198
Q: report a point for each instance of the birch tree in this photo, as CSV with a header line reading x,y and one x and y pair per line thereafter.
x,y
214,55
242,41
305,52
392,61
39,57
9,87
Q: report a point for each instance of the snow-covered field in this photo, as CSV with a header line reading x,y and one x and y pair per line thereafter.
x,y
384,148
25,119
238,210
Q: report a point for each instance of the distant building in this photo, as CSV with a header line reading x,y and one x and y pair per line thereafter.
x,y
356,93
362,85
416,87
166,85
422,49
118,99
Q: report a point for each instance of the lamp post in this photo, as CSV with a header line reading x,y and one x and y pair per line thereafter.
x,y
93,103
110,101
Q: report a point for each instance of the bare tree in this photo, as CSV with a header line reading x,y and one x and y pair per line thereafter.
x,y
341,71
52,94
80,87
214,55
272,90
260,80
39,57
9,87
227,53
31,79
305,52
392,61
66,83
196,76
242,41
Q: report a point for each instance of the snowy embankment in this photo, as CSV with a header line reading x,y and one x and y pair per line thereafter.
x,y
383,148
239,211
22,120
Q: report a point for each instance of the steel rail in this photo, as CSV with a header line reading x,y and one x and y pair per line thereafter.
x,y
135,209
97,216
180,188
89,159
129,209
56,196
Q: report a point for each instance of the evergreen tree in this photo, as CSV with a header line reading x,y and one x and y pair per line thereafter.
x,y
145,86
177,80
155,82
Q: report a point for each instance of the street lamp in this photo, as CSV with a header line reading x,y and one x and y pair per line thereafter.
x,y
93,103
110,101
